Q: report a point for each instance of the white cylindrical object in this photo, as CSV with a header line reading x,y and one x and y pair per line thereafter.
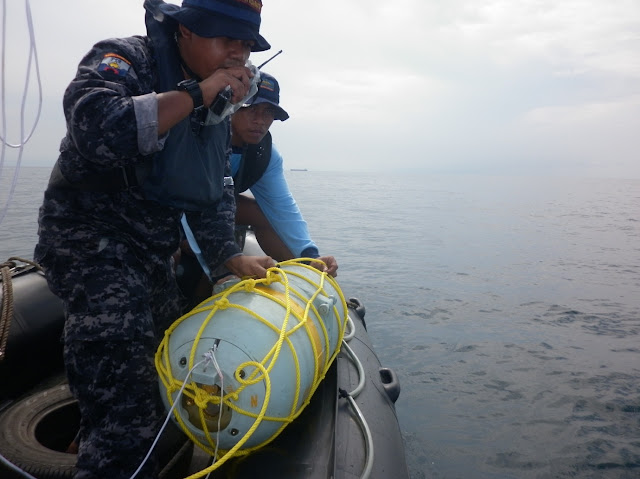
x,y
242,336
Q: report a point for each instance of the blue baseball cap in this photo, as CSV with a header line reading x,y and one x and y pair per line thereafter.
x,y
269,92
237,19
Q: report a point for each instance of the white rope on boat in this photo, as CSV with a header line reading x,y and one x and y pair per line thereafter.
x,y
350,396
359,367
368,439
24,139
350,331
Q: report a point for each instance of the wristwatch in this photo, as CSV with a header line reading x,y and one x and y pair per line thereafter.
x,y
193,89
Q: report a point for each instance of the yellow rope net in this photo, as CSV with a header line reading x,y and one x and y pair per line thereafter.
x,y
299,290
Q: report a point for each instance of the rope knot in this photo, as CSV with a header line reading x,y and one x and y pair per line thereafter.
x,y
273,275
174,386
208,356
8,264
249,285
201,398
223,303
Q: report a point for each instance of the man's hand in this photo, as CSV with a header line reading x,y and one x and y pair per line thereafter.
x,y
174,106
243,265
237,78
330,265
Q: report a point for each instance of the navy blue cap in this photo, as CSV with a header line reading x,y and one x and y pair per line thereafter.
x,y
269,92
237,19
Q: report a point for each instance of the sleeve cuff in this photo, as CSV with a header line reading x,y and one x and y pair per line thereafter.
x,y
146,110
310,252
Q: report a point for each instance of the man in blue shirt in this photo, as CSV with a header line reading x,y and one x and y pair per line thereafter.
x,y
273,212
256,164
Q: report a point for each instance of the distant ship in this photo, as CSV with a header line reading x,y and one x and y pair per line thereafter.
x,y
299,169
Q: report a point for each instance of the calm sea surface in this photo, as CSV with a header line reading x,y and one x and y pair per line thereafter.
x,y
509,307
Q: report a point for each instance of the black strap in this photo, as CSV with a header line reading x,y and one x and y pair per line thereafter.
x,y
111,181
254,162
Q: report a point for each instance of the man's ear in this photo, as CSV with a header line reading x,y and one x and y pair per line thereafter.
x,y
184,31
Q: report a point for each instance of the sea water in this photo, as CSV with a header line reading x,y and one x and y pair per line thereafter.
x,y
509,308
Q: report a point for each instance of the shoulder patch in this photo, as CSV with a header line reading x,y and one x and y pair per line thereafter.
x,y
114,63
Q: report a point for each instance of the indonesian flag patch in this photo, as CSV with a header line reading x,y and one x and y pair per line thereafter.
x,y
114,63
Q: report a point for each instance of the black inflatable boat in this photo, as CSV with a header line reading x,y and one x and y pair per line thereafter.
x,y
336,436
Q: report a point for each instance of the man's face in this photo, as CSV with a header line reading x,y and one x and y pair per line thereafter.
x,y
205,55
250,124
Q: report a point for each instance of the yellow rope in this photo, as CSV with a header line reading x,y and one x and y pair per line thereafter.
x,y
289,300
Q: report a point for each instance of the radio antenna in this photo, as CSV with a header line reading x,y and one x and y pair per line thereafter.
x,y
264,63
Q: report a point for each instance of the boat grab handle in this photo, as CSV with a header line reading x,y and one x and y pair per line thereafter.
x,y
390,383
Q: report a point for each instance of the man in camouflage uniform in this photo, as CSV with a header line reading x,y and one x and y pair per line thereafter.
x,y
140,150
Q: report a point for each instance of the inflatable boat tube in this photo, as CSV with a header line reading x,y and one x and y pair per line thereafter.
x,y
325,441
34,346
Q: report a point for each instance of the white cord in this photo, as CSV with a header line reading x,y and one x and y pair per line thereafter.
x,y
368,439
359,367
15,468
350,330
350,396
166,421
212,356
33,57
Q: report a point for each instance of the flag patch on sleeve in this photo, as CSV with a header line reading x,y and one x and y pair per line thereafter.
x,y
114,63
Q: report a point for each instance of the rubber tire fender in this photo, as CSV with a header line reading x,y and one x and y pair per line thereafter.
x,y
21,425
35,431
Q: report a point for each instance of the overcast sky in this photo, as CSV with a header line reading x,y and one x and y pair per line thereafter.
x,y
532,87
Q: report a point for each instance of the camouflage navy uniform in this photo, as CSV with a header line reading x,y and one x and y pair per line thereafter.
x,y
107,254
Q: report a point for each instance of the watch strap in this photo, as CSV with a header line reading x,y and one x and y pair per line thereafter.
x,y
193,89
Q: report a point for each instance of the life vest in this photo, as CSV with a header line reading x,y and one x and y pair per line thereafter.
x,y
254,162
189,172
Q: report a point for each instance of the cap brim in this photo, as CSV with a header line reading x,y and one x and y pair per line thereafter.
x,y
207,25
281,114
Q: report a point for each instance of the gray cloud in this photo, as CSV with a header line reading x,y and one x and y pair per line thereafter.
x,y
530,87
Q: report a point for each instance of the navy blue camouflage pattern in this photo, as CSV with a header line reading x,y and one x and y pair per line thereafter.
x,y
108,256
115,432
